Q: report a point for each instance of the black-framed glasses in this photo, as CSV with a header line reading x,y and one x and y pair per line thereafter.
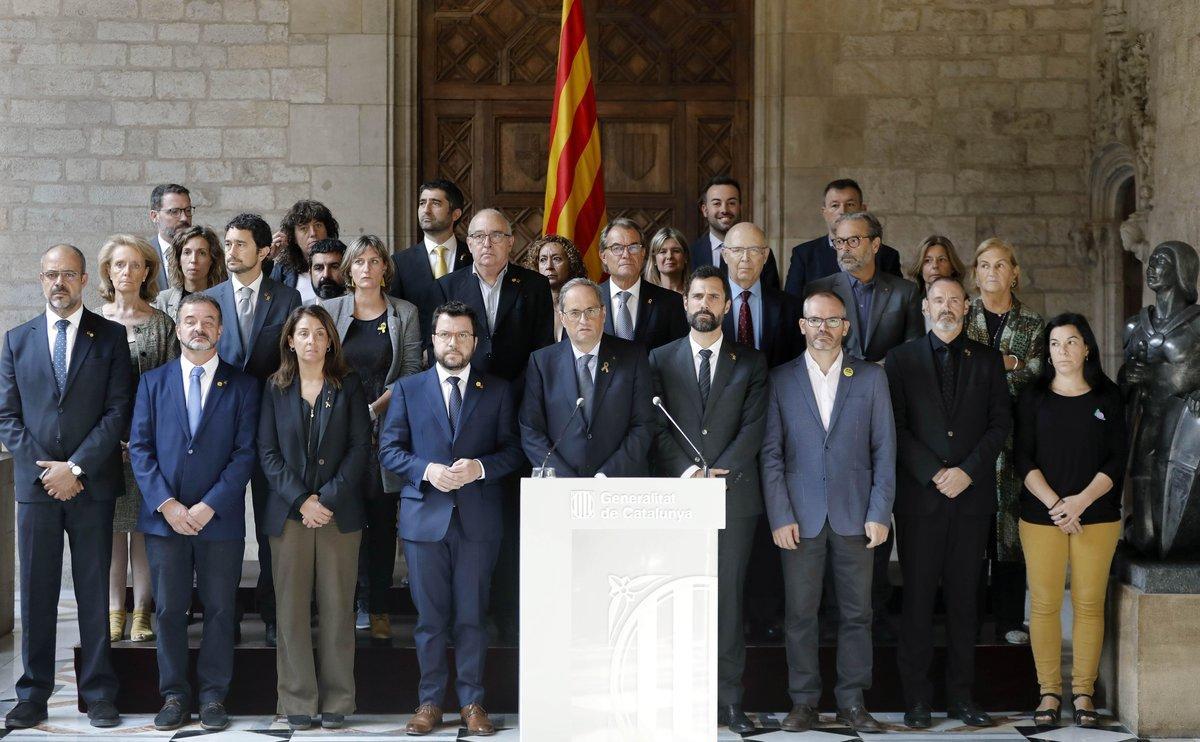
x,y
853,241
179,211
832,323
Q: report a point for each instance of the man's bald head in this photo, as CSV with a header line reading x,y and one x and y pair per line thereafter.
x,y
745,234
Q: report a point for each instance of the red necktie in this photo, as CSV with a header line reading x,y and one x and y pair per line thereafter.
x,y
745,328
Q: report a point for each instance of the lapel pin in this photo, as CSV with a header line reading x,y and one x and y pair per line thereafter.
x,y
478,384
382,327
1099,414
515,279
847,372
733,357
967,352
649,301
604,367
221,382
266,297
90,334
328,404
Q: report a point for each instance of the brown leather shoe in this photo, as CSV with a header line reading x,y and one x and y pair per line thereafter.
x,y
476,720
427,718
381,627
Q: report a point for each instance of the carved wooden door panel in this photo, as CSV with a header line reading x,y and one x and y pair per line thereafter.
x,y
673,97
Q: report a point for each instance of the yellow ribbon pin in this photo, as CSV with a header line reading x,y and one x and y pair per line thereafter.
x,y
382,328
604,367
479,385
847,372
266,297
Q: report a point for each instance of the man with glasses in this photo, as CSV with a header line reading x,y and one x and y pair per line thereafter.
x,y
451,433
171,212
611,432
66,394
639,311
829,476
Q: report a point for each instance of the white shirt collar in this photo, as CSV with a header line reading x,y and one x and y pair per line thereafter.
x,y
714,241
451,244
715,347
463,373
209,366
594,352
254,285
74,318
163,246
635,291
813,367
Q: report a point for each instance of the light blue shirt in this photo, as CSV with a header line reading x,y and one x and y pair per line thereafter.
x,y
756,310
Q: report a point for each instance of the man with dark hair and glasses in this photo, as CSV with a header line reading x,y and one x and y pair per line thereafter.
x,y
637,310
171,212
829,478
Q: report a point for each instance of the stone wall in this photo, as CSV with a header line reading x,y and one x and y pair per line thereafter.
x,y
959,117
252,104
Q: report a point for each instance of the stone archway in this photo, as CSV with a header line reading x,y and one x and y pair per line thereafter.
x,y
1117,226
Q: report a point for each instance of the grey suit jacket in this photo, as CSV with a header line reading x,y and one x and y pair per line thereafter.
x,y
846,475
895,313
168,301
728,430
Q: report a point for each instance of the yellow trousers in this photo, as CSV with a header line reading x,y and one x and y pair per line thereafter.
x,y
1047,552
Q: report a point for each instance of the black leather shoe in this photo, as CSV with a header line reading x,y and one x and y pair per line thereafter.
x,y
299,722
213,716
801,718
732,717
918,716
332,721
172,715
103,714
969,713
271,636
25,715
858,719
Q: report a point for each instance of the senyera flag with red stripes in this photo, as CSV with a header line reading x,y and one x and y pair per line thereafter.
x,y
574,181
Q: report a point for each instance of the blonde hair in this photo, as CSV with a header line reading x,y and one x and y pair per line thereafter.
x,y
1005,247
149,288
657,244
360,246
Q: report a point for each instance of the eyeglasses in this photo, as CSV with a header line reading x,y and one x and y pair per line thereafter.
x,y
736,253
852,242
831,322
446,337
53,276
618,249
486,236
573,315
178,212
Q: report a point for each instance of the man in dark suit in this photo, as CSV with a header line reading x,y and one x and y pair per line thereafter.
x,y
610,433
637,310
254,308
439,207
191,447
721,207
65,395
829,476
884,310
953,415
451,433
170,212
817,258
717,390
513,304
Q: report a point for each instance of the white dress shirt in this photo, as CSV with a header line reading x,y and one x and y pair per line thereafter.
x,y
206,380
451,252
824,385
635,293
72,330
308,295
712,360
463,375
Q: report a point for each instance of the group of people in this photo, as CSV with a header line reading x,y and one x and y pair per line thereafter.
x,y
368,397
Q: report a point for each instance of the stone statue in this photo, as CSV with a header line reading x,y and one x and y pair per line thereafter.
x,y
1161,379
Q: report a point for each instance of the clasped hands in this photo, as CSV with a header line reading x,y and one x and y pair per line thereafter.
x,y
313,514
58,481
455,476
788,537
184,520
951,482
1067,512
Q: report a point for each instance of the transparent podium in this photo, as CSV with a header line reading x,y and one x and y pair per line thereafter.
x,y
619,609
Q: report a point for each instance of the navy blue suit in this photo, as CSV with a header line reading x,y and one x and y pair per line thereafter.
x,y
84,424
615,438
212,467
701,254
413,281
451,540
817,258
274,303
660,315
780,338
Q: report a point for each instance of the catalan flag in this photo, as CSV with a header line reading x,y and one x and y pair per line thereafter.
x,y
574,181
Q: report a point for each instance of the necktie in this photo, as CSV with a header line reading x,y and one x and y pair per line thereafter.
x,y
948,379
745,328
718,254
440,268
705,378
194,402
245,317
586,387
60,354
455,408
624,323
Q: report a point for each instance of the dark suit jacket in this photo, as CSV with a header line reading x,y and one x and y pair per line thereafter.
x,y
817,258
660,315
164,280
345,445
780,337
728,430
895,314
928,439
211,467
85,424
413,281
416,432
282,275
701,252
616,438
275,302
524,318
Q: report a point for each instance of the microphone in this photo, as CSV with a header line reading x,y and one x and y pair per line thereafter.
x,y
541,471
657,402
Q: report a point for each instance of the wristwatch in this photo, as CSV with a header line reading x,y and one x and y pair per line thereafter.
x,y
76,469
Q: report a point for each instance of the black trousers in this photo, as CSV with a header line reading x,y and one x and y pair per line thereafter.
x,y
764,580
264,590
41,528
944,548
377,555
734,544
506,578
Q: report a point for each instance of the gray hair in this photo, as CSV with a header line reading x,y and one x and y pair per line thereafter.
x,y
199,297
622,222
874,228
490,210
576,282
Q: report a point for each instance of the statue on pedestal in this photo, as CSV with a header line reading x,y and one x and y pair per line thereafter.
x,y
1161,380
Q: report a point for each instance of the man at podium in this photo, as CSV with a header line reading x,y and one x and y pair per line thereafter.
x,y
586,410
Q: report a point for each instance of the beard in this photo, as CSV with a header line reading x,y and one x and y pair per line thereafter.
x,y
327,288
200,344
703,321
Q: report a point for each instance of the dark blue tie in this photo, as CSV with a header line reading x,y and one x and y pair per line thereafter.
x,y
194,402
455,403
60,355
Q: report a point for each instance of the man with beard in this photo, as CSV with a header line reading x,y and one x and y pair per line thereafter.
x,y
953,415
191,447
170,212
721,207
304,225
439,207
325,270
65,388
717,390
451,433
829,474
